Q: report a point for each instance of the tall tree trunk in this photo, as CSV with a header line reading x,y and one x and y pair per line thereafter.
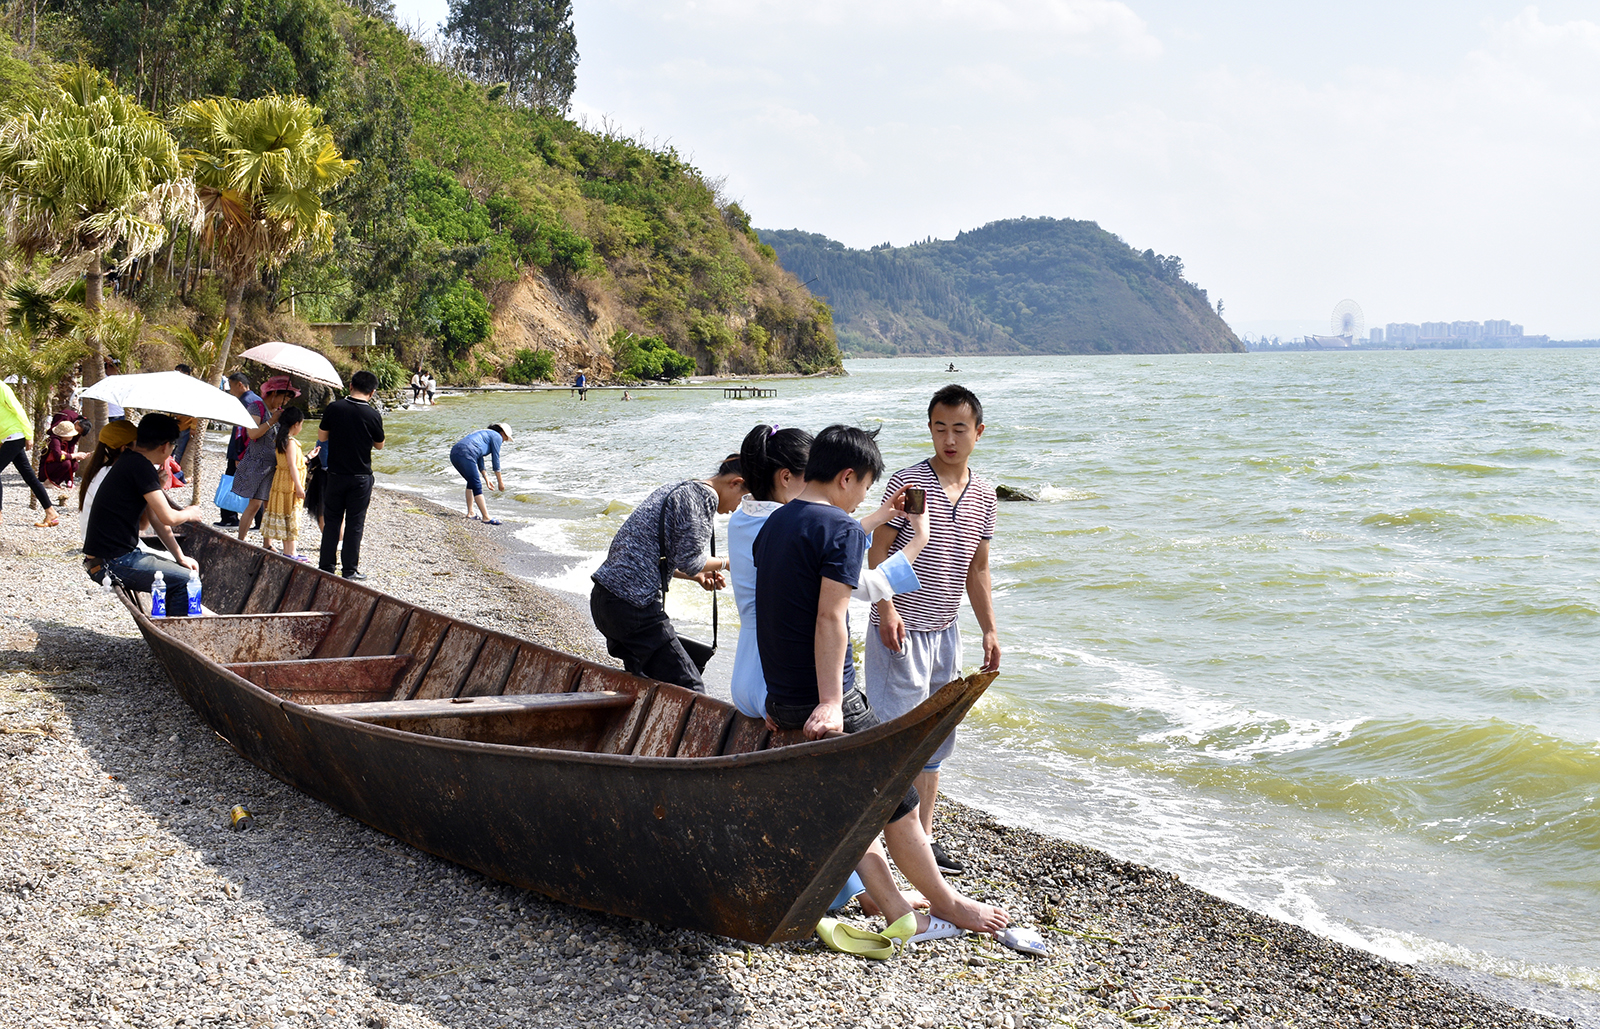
x,y
95,364
235,303
191,459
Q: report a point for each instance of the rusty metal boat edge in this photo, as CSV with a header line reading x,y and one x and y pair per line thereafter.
x,y
748,845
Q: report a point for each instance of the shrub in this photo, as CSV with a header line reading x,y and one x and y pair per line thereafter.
x,y
391,373
463,320
648,357
530,366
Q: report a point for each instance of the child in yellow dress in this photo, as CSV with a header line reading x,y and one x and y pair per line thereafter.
x,y
281,519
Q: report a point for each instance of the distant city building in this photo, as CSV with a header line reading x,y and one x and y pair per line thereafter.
x,y
1402,332
1375,336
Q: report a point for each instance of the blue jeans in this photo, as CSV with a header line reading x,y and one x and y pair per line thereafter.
x,y
137,571
468,469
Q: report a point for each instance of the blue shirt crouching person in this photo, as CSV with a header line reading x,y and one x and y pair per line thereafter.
x,y
130,496
808,558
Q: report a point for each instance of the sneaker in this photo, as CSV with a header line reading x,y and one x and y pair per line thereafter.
x,y
355,576
947,864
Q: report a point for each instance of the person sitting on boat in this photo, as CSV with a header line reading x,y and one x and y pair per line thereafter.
x,y
130,495
467,456
665,537
115,438
809,557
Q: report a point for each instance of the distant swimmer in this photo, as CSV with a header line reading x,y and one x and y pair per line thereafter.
x,y
626,395
952,367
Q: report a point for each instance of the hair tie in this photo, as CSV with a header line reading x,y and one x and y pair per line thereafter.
x,y
772,430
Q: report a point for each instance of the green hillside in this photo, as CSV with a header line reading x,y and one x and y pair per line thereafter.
x,y
466,213
1020,286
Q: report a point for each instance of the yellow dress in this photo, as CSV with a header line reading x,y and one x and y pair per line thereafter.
x,y
281,518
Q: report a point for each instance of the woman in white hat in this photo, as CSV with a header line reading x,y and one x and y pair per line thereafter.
x,y
468,455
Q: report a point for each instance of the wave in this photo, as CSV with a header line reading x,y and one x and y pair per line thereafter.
x,y
1433,518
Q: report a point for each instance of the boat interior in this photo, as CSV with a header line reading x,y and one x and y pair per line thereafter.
x,y
346,650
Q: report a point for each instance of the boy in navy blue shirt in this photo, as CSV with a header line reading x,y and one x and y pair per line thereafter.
x,y
808,558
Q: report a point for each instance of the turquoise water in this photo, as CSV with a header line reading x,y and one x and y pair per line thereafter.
x,y
1316,631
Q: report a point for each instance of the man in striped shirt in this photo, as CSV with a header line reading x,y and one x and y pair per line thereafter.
x,y
914,645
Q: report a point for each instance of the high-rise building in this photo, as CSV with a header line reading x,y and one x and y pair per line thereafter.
x,y
1375,336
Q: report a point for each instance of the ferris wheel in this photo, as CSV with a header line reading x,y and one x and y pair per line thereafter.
x,y
1347,319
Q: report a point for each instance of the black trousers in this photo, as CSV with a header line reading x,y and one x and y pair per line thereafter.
x,y
15,452
344,499
858,717
643,639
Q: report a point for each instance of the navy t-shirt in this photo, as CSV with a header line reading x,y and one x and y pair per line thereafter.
x,y
801,544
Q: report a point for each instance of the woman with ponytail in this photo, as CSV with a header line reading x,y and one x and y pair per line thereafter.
x,y
774,465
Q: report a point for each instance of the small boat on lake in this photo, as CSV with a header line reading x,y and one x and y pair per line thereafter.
x,y
535,767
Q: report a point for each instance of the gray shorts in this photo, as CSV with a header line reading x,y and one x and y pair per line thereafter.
x,y
898,682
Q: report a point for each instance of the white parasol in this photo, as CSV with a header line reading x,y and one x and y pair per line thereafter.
x,y
296,360
172,392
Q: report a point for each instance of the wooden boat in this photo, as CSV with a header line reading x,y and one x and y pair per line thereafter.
x,y
532,766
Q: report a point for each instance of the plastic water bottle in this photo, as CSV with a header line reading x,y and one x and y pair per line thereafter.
x,y
158,597
194,596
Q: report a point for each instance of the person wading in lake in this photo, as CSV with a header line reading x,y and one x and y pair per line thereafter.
x,y
351,430
665,537
467,456
914,643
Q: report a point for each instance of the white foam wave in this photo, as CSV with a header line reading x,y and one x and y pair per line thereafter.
x,y
1058,494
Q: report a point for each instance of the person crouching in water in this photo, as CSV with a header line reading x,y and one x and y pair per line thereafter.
x,y
809,557
129,495
666,537
281,517
468,455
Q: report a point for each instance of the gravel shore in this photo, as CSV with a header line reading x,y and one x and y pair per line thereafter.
x,y
126,900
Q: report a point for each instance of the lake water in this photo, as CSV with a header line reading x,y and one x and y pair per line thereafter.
x,y
1316,631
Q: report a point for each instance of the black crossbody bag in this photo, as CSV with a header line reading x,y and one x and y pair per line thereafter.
x,y
700,653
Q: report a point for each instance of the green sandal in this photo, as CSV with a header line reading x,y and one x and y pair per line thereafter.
x,y
847,939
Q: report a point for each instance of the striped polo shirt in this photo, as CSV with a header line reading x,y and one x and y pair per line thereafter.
x,y
954,532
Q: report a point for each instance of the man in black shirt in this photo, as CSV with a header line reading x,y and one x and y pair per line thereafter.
x,y
351,429
129,494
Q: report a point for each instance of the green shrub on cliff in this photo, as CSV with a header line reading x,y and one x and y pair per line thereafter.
x,y
647,357
531,366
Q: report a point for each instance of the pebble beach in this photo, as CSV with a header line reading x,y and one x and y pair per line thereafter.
x,y
127,900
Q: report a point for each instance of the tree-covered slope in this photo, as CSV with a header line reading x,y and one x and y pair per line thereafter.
x,y
1026,285
469,197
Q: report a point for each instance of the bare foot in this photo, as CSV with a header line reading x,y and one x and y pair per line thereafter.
x,y
915,899
970,915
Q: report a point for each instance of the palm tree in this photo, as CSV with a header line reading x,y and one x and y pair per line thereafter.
x,y
87,172
260,169
39,346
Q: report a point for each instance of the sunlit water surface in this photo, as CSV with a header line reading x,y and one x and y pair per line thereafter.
x,y
1316,631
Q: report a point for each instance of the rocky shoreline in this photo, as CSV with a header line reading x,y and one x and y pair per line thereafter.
x,y
125,899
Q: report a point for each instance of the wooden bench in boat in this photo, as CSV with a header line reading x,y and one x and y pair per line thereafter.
x,y
477,707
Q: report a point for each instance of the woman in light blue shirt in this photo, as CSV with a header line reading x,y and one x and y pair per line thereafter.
x,y
774,461
467,456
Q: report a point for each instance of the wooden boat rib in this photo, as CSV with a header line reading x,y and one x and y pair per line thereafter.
x,y
535,767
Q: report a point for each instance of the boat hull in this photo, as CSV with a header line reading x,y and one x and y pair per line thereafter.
x,y
751,845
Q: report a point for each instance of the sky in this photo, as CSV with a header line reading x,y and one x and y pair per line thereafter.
x,y
1432,161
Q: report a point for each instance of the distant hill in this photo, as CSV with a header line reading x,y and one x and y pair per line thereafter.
x,y
1020,286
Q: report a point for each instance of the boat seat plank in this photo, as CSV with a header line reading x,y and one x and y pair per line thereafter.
x,y
231,639
475,707
271,578
388,621
424,631
622,737
599,677
706,729
663,726
538,670
451,663
326,680
488,675
351,608
747,735
302,586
